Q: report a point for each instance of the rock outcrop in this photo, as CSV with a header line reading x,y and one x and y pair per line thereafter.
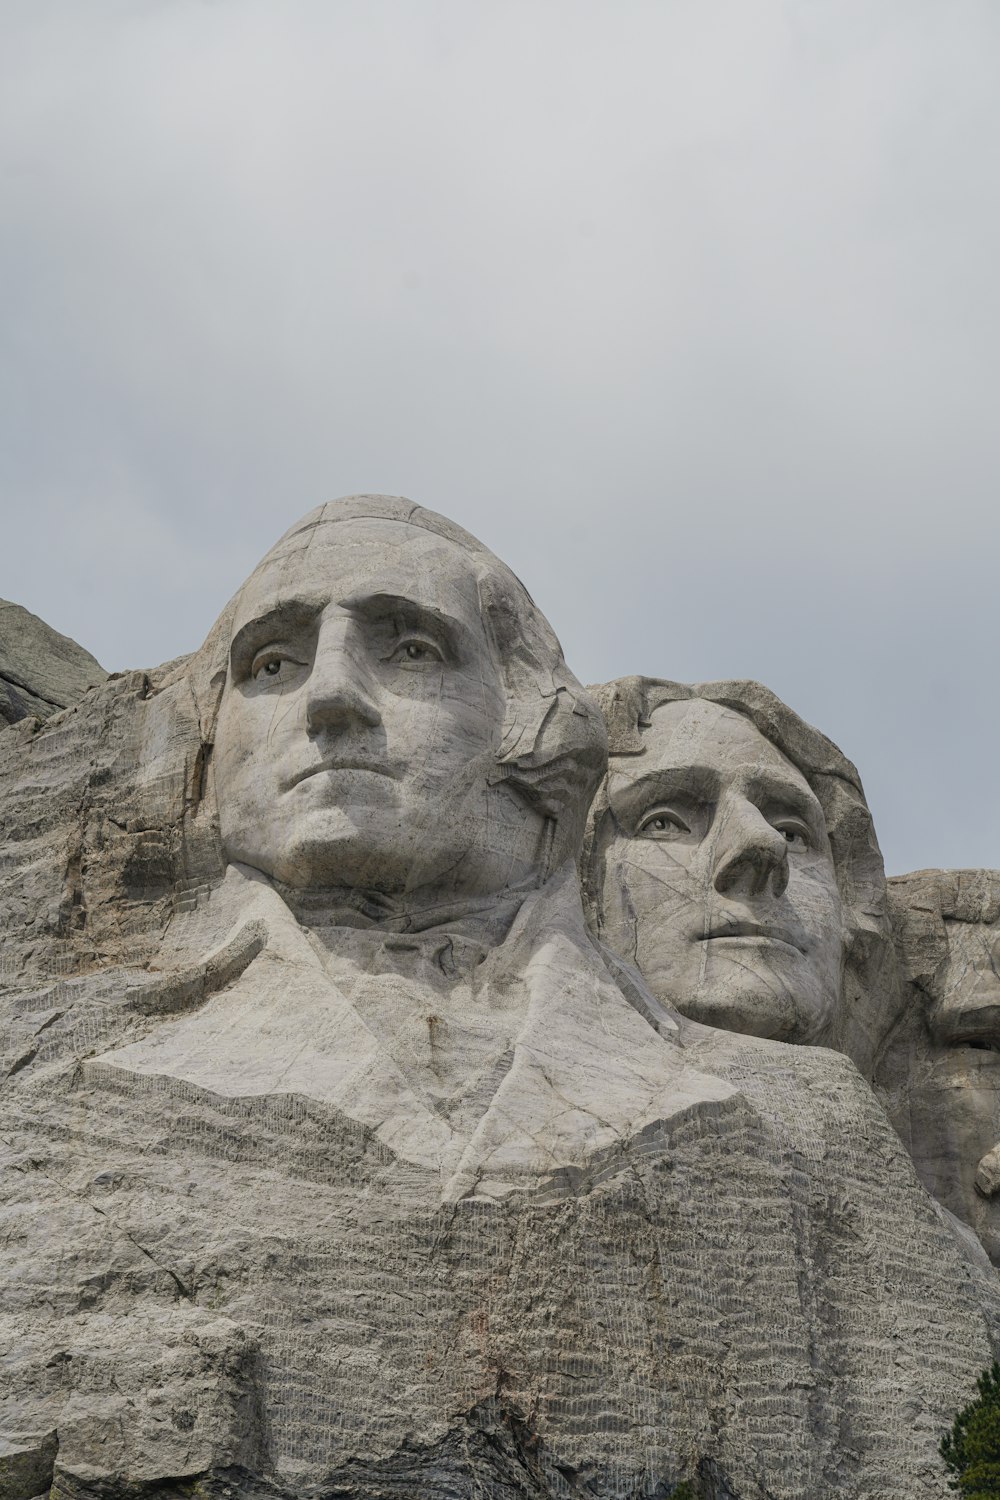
x,y
41,671
939,1072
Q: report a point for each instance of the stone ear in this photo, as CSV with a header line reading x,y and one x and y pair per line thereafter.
x,y
525,651
553,745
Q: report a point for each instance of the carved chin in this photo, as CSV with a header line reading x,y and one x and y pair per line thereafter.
x,y
781,1007
757,988
340,848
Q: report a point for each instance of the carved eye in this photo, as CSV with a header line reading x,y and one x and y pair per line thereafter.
x,y
272,665
662,823
416,651
795,832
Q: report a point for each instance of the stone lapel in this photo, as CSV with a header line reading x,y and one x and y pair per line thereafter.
x,y
561,1074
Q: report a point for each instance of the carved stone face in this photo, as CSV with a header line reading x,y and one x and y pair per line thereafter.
x,y
941,1073
955,1104
719,882
361,718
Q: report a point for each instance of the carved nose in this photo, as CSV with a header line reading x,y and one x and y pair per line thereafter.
x,y
338,696
751,857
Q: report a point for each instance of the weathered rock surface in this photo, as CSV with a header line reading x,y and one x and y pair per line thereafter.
x,y
940,1068
340,1160
41,671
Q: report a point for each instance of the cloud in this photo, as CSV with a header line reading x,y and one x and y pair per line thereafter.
x,y
689,310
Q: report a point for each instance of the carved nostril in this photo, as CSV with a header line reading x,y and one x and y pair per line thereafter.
x,y
338,703
340,713
758,861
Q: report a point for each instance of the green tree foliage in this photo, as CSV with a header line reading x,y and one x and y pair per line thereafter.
x,y
972,1448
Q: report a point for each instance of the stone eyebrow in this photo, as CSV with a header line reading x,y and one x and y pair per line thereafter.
x,y
964,1015
668,781
293,614
774,784
416,613
285,615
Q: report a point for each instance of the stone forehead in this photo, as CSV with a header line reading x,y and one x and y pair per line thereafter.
x,y
628,703
321,529
383,554
961,897
382,508
696,727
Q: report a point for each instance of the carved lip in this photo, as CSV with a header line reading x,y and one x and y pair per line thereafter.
x,y
343,763
742,930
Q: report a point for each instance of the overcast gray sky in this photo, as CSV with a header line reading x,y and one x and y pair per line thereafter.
x,y
689,309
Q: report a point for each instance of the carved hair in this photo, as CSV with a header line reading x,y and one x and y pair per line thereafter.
x,y
553,747
870,993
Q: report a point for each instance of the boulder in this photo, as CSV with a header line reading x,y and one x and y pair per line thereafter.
x,y
41,671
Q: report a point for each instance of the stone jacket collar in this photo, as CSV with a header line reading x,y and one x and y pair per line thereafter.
x,y
563,1070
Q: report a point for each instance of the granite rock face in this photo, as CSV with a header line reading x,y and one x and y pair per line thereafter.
x,y
940,1068
41,671
341,1159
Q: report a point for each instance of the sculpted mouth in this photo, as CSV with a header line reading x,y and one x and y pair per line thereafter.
x,y
744,931
345,763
